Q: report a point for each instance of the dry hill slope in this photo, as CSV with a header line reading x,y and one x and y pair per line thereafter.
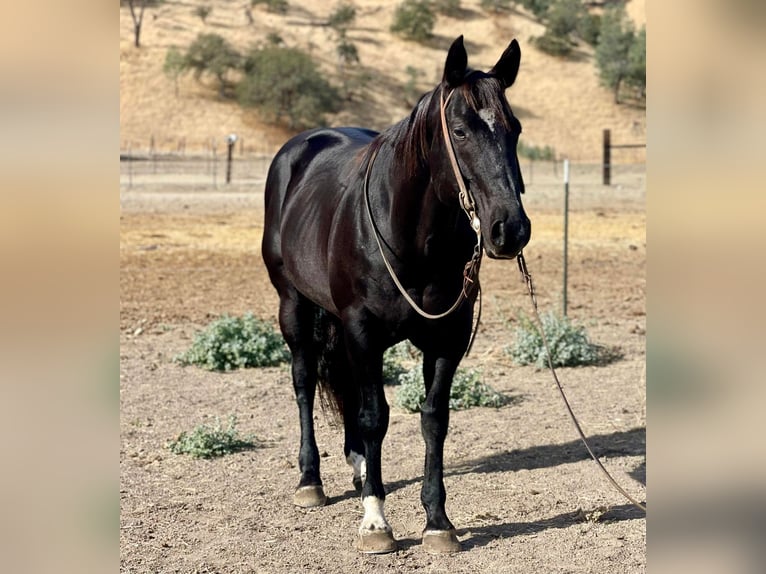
x,y
559,102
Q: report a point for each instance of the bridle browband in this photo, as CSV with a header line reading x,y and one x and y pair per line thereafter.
x,y
471,269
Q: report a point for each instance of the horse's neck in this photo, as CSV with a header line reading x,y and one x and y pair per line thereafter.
x,y
417,216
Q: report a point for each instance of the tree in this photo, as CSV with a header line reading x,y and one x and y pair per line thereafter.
x,y
636,76
342,18
414,20
286,85
563,17
212,54
138,19
614,41
174,66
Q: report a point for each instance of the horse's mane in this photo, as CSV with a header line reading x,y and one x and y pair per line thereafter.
x,y
410,137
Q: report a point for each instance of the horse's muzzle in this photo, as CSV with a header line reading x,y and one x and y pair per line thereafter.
x,y
508,237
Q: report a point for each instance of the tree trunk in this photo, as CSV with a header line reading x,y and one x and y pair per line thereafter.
x,y
137,21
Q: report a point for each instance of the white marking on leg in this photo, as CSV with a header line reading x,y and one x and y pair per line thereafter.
x,y
373,515
358,463
489,118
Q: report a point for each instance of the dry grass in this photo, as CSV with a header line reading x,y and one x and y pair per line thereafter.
x,y
560,103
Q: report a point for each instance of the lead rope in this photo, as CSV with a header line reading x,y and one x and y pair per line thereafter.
x,y
530,287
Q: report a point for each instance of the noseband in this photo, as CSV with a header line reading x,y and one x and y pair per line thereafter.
x,y
471,269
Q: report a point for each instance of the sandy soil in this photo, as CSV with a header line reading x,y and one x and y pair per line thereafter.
x,y
521,490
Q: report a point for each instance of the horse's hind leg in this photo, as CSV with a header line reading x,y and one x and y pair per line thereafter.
x,y
296,319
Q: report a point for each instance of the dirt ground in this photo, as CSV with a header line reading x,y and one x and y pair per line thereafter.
x,y
521,491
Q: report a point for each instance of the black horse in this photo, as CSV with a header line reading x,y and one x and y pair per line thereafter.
x,y
367,242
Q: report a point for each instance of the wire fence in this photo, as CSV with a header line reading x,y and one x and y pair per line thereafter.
x,y
207,170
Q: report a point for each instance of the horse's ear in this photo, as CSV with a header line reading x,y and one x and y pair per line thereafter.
x,y
457,62
508,65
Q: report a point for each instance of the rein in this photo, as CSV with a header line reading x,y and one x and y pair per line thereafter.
x,y
531,289
471,269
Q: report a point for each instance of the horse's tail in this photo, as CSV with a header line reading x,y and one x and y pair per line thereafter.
x,y
334,373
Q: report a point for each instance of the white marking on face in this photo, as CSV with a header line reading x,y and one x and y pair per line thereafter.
x,y
489,118
373,515
358,463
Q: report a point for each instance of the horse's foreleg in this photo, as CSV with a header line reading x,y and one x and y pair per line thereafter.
x,y
439,534
296,319
375,534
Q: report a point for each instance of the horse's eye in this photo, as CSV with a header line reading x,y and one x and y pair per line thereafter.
x,y
458,133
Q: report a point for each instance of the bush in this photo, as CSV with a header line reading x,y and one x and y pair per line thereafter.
x,y
557,46
537,7
286,84
396,360
236,342
212,54
414,20
208,442
203,12
467,391
536,153
495,6
588,28
568,343
563,17
275,6
342,17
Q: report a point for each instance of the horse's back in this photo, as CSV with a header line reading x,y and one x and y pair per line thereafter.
x,y
306,183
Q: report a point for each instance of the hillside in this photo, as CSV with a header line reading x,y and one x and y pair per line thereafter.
x,y
560,103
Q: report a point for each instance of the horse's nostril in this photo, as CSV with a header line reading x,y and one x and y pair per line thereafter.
x,y
498,234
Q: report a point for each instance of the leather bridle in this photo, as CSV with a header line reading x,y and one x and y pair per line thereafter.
x,y
467,203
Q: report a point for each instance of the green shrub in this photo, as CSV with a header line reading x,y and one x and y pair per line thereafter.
x,y
467,391
396,361
554,45
275,6
537,7
286,85
588,28
212,54
211,441
536,153
342,17
203,12
236,342
495,6
569,344
414,20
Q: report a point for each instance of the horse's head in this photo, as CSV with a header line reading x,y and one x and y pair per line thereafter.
x,y
484,134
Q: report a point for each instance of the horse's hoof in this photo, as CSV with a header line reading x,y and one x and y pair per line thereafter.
x,y
441,541
358,484
376,542
309,496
